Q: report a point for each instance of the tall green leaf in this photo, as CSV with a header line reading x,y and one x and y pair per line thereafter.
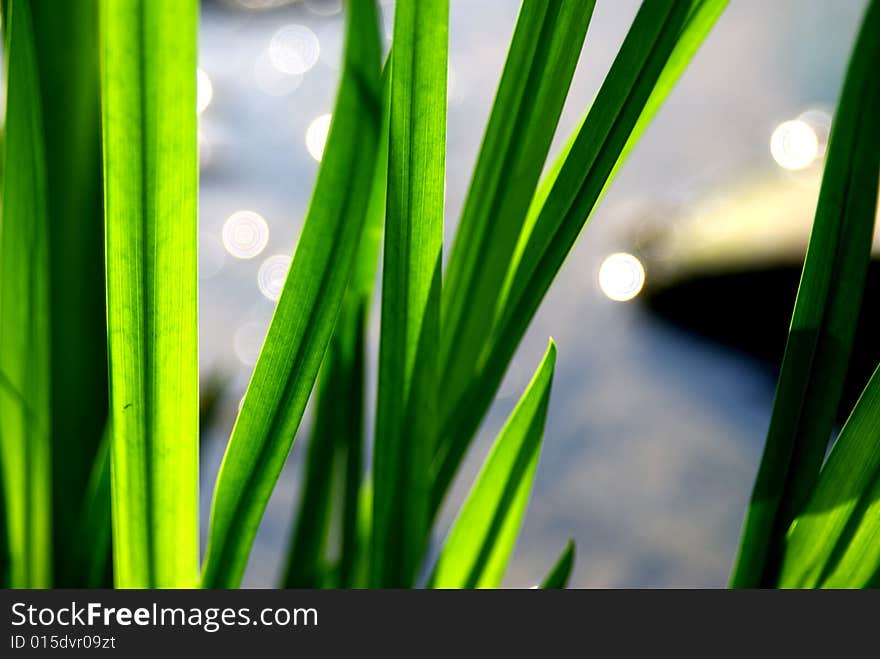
x,y
543,53
407,394
662,39
66,36
24,313
558,577
481,541
307,310
825,317
148,62
337,440
835,542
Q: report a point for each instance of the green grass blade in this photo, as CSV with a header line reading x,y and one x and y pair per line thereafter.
x,y
24,313
558,577
354,549
824,321
89,551
307,310
662,39
407,393
361,564
481,540
703,15
835,542
66,36
337,433
148,61
540,64
337,439
5,558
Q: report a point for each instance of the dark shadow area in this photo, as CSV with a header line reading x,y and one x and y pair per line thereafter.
x,y
751,311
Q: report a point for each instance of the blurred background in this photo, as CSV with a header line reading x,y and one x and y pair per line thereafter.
x,y
670,314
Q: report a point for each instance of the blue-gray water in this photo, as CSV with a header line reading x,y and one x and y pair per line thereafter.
x,y
653,436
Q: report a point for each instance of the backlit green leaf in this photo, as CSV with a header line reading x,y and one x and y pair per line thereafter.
x,y
334,463
660,42
481,541
24,314
543,53
307,309
148,63
835,542
67,53
407,394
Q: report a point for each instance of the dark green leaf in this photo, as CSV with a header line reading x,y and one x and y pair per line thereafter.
x,y
67,53
24,314
824,321
558,577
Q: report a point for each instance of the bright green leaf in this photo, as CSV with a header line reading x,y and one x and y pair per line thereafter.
x,y
835,542
482,538
660,42
307,310
148,62
543,53
407,394
337,440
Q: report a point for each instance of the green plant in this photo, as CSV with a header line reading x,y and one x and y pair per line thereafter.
x,y
447,338
788,536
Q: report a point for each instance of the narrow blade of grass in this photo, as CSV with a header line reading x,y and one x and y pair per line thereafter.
x,y
824,321
5,559
662,39
481,540
835,542
24,313
407,393
307,310
337,439
540,64
559,575
703,15
66,36
337,433
148,62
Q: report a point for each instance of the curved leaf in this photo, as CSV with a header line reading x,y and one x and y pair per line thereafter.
x,y
558,577
481,541
662,39
835,542
307,309
825,317
537,74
